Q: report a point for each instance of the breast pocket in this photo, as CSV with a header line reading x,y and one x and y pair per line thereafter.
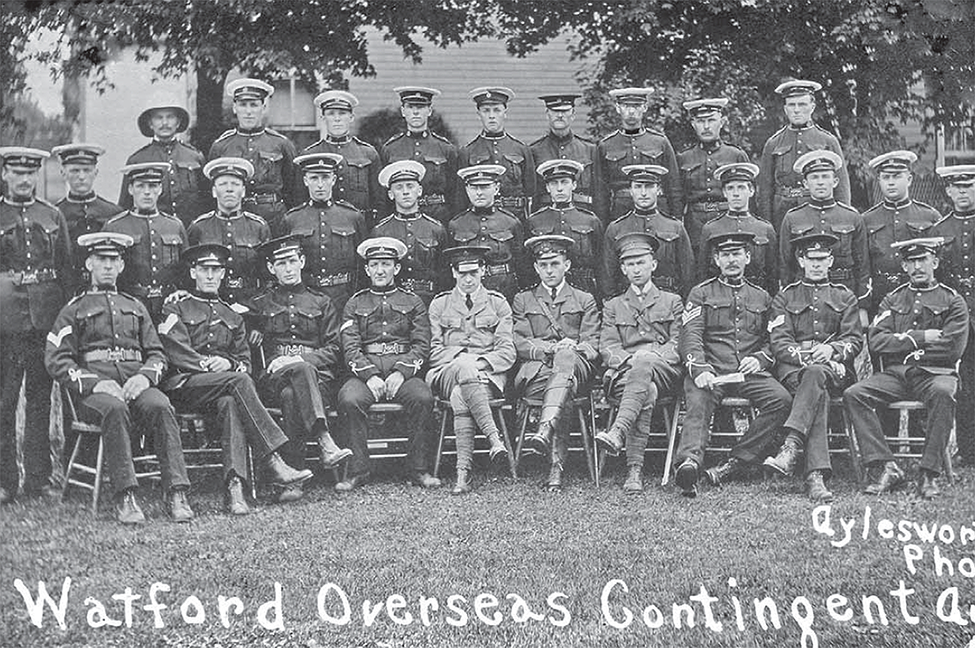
x,y
755,319
342,244
426,253
667,254
44,238
718,313
783,157
615,161
267,167
276,320
435,179
131,319
513,163
91,321
308,318
358,174
585,248
172,247
479,157
187,175
651,155
879,238
500,243
844,248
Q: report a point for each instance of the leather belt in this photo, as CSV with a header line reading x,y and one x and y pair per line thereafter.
x,y
30,277
709,206
841,273
512,201
581,198
292,349
497,269
432,199
791,192
967,282
113,355
240,282
332,279
417,284
263,198
385,348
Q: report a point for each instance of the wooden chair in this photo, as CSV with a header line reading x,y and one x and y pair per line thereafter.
x,y
669,408
498,407
584,410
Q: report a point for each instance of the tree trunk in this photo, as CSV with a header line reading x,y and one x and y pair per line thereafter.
x,y
209,107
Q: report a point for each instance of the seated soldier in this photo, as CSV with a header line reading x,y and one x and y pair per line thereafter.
x,y
919,334
471,351
725,343
206,343
638,343
297,329
814,330
386,340
556,338
100,338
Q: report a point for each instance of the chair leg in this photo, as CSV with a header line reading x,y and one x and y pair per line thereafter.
x,y
670,419
523,428
99,462
443,432
586,442
70,468
512,464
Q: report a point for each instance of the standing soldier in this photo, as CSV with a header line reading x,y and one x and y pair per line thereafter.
x,y
919,349
233,227
781,186
271,188
725,344
436,153
34,266
471,351
83,210
897,217
638,343
958,271
673,258
182,187
424,237
105,350
386,341
497,147
815,333
330,230
738,187
556,333
562,216
159,238
633,144
210,363
561,143
491,227
356,178
701,188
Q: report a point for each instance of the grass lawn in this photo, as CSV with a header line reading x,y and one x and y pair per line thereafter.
x,y
555,552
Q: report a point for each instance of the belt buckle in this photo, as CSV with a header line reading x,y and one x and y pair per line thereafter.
x,y
28,278
154,291
389,348
115,355
236,282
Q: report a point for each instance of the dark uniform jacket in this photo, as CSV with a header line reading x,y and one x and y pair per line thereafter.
x,y
612,187
422,269
35,265
851,261
438,156
583,227
571,147
723,324
518,181
675,258
535,335
498,229
763,269
957,265
357,177
697,166
886,223
805,314
184,188
385,331
271,153
243,232
151,264
84,214
103,335
896,334
196,327
631,324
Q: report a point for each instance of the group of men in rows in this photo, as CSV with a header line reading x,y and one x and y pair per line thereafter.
x,y
778,317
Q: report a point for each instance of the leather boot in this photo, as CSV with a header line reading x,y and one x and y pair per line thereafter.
x,y
179,506
233,499
634,480
281,473
291,493
558,392
889,479
816,488
499,453
351,483
686,477
423,479
541,441
611,441
554,484
719,474
927,485
462,485
785,461
127,509
332,455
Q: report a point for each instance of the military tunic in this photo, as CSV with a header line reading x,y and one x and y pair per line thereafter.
x,y
763,269
612,187
422,269
183,188
675,258
357,176
438,155
84,215
571,147
243,233
497,229
583,227
703,197
780,188
518,182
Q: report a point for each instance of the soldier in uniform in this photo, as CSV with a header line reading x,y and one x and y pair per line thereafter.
x,y
233,227
561,215
633,144
958,271
738,186
297,329
724,343
471,351
823,214
105,350
556,333
638,344
35,262
330,230
495,146
424,237
780,185
182,192
210,364
386,341
701,188
897,217
815,333
272,187
487,225
357,175
919,333
436,153
562,143
673,259
159,238
83,210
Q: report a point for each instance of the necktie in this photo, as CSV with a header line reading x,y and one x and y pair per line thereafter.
x,y
554,292
469,302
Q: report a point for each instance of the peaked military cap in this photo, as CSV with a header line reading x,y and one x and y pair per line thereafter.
x,y
728,241
280,247
241,89
23,157
813,161
318,162
552,169
110,244
337,100
480,174
146,171
81,153
745,171
797,87
549,245
631,95
815,245
560,101
644,172
401,170
918,248
213,255
416,95
893,161
636,244
705,107
465,258
382,247
232,166
492,95
962,175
